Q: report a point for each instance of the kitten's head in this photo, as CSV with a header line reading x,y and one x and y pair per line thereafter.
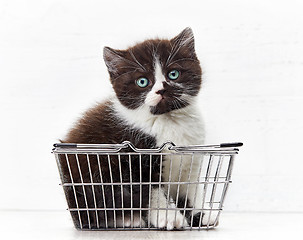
x,y
162,74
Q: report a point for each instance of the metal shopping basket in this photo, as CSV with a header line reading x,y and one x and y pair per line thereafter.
x,y
109,186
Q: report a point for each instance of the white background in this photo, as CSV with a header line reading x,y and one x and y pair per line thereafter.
x,y
51,70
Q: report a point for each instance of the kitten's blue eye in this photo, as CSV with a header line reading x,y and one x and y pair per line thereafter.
x,y
142,82
173,75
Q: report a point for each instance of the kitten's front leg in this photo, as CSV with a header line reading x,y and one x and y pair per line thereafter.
x,y
161,218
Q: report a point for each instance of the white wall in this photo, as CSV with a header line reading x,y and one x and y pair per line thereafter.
x,y
51,69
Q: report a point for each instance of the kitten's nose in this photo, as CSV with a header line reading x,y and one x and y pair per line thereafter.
x,y
162,91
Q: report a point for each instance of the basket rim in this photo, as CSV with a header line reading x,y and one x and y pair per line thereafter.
x,y
223,148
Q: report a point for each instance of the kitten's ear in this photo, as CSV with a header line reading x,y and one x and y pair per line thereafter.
x,y
113,59
185,40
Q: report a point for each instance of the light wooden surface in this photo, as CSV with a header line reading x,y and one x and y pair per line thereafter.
x,y
234,226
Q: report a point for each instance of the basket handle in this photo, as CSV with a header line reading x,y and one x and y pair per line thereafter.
x,y
228,145
159,149
206,148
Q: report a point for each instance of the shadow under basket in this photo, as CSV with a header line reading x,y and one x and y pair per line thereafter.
x,y
121,187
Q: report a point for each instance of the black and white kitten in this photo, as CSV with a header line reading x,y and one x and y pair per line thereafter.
x,y
156,84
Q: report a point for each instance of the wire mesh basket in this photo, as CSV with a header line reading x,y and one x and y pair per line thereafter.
x,y
121,187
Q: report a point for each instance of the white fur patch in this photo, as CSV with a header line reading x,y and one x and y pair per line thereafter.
x,y
182,126
153,98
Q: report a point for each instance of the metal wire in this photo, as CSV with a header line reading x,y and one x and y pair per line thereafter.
x,y
109,189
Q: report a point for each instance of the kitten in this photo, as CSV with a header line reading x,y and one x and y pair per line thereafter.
x,y
156,84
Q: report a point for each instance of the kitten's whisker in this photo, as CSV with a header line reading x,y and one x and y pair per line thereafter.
x,y
124,74
133,56
132,67
171,55
126,60
182,59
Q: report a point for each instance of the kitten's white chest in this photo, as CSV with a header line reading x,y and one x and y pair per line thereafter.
x,y
183,126
180,127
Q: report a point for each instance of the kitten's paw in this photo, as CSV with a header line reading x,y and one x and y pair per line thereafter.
x,y
209,218
169,220
136,222
181,220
